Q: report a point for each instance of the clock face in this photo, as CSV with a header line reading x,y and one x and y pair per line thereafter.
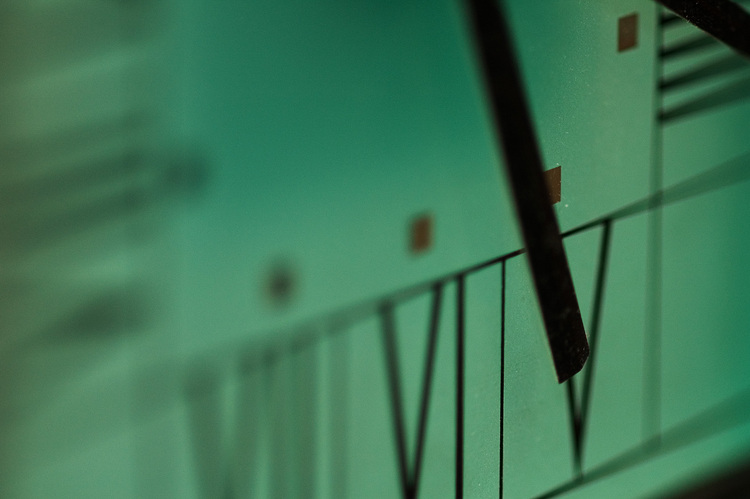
x,y
263,249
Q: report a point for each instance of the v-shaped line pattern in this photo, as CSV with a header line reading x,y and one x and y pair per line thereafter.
x,y
410,471
579,407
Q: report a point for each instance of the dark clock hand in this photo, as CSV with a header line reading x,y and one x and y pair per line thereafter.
x,y
724,20
523,164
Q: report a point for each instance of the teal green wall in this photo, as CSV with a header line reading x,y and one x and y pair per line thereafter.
x,y
159,159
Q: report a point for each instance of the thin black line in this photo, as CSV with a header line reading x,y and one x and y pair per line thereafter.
x,y
575,427
437,294
410,478
391,354
524,171
722,19
460,379
502,373
596,314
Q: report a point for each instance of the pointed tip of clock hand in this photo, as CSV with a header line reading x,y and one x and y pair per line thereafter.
x,y
572,360
565,332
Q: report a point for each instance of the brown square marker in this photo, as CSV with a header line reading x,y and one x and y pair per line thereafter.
x,y
421,233
553,178
627,32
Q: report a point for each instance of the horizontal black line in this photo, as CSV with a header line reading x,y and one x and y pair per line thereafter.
x,y
732,92
685,47
717,67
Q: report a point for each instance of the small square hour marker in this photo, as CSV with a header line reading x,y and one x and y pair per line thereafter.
x,y
280,284
421,233
627,32
553,178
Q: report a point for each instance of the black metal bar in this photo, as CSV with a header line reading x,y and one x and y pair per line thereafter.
x,y
724,20
523,166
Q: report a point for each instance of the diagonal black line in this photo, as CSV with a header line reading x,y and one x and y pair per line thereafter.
x,y
721,66
722,19
731,172
394,377
523,166
596,314
460,380
437,293
410,474
502,373
685,47
575,427
727,94
578,412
